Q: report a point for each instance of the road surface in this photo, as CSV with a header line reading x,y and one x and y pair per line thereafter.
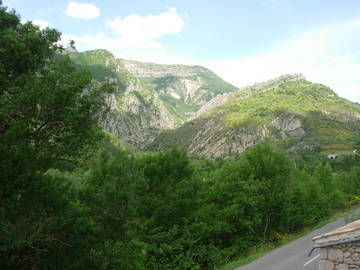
x,y
294,256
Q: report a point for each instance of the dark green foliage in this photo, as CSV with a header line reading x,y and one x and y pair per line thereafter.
x,y
115,208
48,112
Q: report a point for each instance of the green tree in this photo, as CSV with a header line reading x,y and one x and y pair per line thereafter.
x,y
272,171
234,217
49,111
110,194
167,199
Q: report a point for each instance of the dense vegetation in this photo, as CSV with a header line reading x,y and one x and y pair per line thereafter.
x,y
72,197
101,68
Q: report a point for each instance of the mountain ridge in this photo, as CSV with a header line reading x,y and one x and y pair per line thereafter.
x,y
158,106
143,106
183,88
296,114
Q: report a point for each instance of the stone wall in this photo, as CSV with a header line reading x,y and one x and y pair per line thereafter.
x,y
340,257
337,255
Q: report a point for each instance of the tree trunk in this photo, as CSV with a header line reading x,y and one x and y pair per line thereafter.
x,y
267,222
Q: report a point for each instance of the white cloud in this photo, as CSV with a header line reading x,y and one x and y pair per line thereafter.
x,y
145,29
135,36
137,30
42,24
82,10
329,56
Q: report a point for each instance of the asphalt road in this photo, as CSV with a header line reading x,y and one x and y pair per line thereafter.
x,y
294,256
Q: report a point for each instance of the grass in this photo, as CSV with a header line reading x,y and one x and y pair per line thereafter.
x,y
102,66
263,250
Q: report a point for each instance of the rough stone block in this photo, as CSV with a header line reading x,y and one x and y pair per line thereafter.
x,y
323,253
356,264
326,265
336,255
347,254
342,267
355,257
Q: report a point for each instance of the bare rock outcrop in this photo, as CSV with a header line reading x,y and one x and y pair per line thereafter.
x,y
289,125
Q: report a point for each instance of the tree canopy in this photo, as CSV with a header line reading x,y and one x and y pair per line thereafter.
x,y
49,111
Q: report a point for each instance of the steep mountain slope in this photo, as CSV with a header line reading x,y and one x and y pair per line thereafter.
x,y
150,97
297,114
184,89
137,113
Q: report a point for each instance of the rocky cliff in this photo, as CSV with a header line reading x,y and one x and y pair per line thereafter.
x,y
183,89
158,106
137,113
294,113
150,98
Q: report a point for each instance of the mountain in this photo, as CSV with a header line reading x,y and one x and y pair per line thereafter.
x,y
157,106
150,98
137,113
183,89
296,114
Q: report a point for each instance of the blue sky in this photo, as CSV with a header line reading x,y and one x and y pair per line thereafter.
x,y
242,41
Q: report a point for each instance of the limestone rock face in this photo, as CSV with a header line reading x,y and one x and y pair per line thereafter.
x,y
183,88
232,141
137,122
142,69
289,125
209,137
189,87
137,114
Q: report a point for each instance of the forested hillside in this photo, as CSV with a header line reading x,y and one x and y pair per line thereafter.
x,y
73,196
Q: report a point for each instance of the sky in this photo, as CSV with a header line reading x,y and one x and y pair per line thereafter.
x,y
243,41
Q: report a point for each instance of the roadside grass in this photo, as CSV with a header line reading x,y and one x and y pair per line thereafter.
x,y
264,249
